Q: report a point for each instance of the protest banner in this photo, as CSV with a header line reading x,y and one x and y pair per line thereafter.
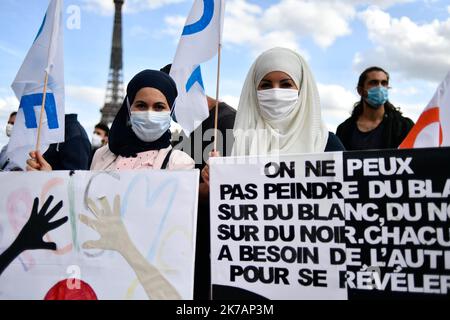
x,y
342,225
112,235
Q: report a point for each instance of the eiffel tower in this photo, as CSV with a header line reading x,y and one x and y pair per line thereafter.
x,y
114,90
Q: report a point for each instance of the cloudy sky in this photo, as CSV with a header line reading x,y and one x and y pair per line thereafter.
x,y
339,38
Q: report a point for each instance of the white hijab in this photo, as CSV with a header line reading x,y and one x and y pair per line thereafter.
x,y
302,131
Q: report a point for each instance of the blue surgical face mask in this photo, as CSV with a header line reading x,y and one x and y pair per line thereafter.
x,y
149,126
377,96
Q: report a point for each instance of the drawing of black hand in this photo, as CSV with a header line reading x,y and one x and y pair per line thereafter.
x,y
31,235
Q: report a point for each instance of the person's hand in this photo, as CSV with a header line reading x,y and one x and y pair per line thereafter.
x,y
113,234
214,154
31,235
205,174
205,171
37,162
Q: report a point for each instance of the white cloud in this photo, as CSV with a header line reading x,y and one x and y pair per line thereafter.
x,y
8,104
241,23
84,95
408,91
284,23
337,103
324,21
103,7
287,21
231,100
174,25
382,3
273,39
448,9
86,102
106,7
334,97
242,27
133,6
401,45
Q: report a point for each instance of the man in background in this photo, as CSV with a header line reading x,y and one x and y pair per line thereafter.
x,y
375,123
5,162
100,136
99,139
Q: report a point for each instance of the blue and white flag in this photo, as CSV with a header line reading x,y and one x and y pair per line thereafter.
x,y
45,55
199,42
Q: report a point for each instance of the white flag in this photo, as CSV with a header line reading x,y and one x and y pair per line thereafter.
x,y
199,42
45,55
432,129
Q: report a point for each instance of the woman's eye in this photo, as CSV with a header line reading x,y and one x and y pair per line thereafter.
x,y
265,86
287,85
158,107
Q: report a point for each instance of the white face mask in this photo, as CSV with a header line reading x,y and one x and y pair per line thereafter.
x,y
275,104
149,126
96,141
9,129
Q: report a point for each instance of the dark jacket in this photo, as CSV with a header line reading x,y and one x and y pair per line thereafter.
x,y
396,128
73,153
198,144
333,143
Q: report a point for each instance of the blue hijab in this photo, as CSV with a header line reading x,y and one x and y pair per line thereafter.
x,y
122,139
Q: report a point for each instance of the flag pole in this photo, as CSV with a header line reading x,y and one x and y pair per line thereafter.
x,y
216,115
57,22
219,51
38,140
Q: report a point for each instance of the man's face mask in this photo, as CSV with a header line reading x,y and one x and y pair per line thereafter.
x,y
9,129
377,96
149,126
277,103
97,141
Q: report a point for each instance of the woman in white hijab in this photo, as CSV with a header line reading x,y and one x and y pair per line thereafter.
x,y
279,109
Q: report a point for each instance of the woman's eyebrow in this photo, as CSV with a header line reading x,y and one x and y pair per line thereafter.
x,y
286,79
140,101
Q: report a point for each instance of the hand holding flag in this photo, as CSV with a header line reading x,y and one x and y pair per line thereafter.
x,y
39,85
